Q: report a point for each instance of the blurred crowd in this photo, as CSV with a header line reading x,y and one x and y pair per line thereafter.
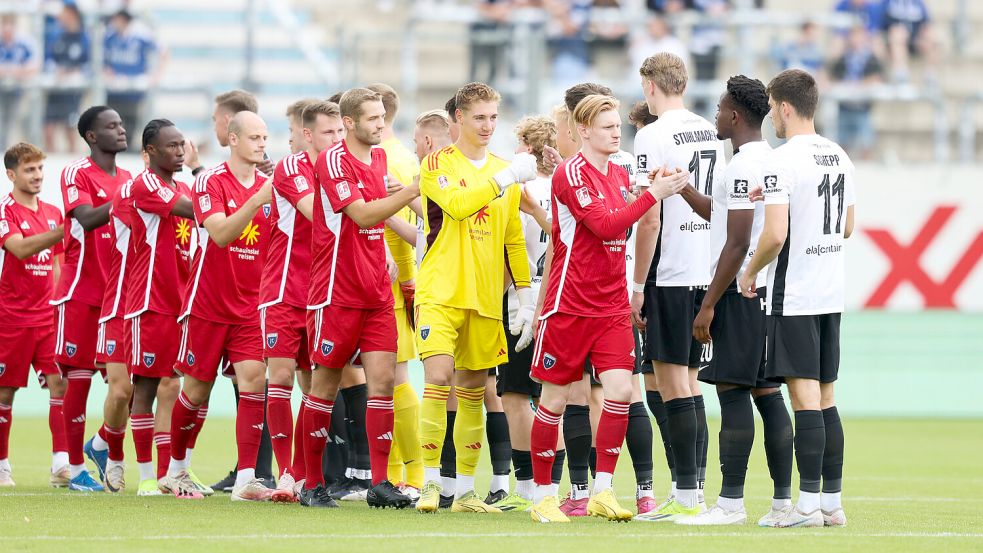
x,y
60,59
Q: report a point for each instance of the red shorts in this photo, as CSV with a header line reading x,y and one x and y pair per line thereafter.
x,y
155,339
284,330
204,345
565,342
339,334
111,346
22,348
76,334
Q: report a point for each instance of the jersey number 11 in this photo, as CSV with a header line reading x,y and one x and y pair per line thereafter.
x,y
827,191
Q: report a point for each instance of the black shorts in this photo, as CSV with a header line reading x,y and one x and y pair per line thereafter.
x,y
804,346
669,313
738,333
513,377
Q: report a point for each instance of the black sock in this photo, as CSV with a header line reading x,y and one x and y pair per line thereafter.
x,y
778,442
810,441
356,398
522,461
336,451
639,442
592,462
264,457
576,436
833,453
499,446
702,440
557,475
736,439
682,435
654,400
448,455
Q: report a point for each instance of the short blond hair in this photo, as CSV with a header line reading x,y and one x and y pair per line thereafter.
x,y
667,71
472,93
352,101
560,112
537,132
295,110
237,100
434,119
590,107
321,107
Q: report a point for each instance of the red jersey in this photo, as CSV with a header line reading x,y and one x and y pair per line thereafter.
x,y
349,267
87,254
591,215
26,285
117,274
287,273
160,263
224,287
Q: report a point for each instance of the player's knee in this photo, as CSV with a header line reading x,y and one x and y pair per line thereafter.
x,y
56,385
120,392
7,395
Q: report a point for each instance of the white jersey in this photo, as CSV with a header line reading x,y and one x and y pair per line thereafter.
x,y
743,173
814,177
627,161
536,240
681,139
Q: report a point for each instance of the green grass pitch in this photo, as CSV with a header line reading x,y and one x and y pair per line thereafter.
x,y
909,485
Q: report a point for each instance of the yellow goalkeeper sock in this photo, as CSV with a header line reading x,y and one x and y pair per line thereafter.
x,y
406,431
469,428
394,470
433,423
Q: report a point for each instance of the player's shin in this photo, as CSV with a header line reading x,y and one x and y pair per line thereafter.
x,y
542,443
433,426
736,439
468,433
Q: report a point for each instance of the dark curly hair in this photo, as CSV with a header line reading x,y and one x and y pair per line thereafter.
x,y
749,97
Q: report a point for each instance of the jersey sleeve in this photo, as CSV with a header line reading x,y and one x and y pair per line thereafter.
x,y
401,250
588,207
440,185
207,198
294,187
648,154
54,214
516,257
339,185
9,225
849,185
778,184
153,196
75,190
739,180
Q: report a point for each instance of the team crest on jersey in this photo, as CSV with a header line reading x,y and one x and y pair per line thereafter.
x,y
740,187
271,339
3,368
165,193
442,182
301,183
110,347
4,228
548,361
425,332
190,359
70,349
51,225
771,182
148,359
643,162
326,347
73,194
624,193
583,197
266,210
205,203
344,192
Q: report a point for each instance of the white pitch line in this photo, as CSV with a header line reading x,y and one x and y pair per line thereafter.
x,y
524,535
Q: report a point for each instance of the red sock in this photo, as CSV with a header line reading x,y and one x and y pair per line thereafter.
x,y
199,424
76,395
279,417
142,428
317,421
56,423
542,445
379,431
163,442
114,437
182,425
299,468
6,417
249,427
611,434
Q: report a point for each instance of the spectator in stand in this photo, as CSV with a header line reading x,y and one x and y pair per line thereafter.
x,y
566,33
489,40
858,67
70,53
658,37
869,12
133,64
805,52
909,33
18,63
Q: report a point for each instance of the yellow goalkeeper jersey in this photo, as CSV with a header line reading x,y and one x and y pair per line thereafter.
x,y
473,233
403,165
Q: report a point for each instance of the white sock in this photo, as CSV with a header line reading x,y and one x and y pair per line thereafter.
x,y
431,474
779,504
449,486
831,501
147,471
602,481
730,504
525,489
674,490
5,464
808,502
499,482
177,465
644,491
76,469
540,493
464,485
687,498
244,476
98,443
58,460
187,455
579,492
